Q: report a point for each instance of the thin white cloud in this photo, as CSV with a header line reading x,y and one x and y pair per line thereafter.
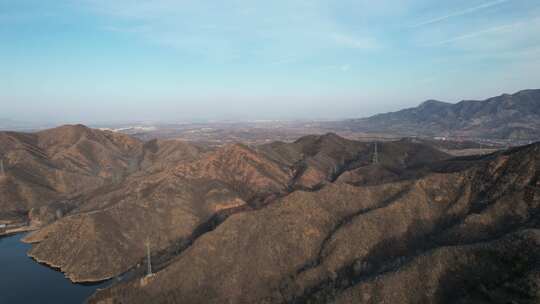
x,y
364,43
466,11
25,17
240,29
127,30
284,60
339,67
345,67
477,33
525,25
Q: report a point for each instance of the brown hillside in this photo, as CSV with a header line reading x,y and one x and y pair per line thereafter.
x,y
470,235
48,166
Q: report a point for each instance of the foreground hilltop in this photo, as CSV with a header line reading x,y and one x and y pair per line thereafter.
x,y
49,173
47,167
513,117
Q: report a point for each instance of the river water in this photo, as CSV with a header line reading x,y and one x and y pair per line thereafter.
x,y
23,280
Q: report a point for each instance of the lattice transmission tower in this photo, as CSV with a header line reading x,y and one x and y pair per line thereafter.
x,y
148,258
375,158
2,172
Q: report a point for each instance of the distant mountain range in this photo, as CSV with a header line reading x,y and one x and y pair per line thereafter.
x,y
515,117
23,126
511,118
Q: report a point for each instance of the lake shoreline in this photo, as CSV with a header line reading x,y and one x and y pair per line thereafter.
x,y
18,230
48,284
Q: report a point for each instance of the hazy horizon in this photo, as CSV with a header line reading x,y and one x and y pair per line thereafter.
x,y
150,119
97,61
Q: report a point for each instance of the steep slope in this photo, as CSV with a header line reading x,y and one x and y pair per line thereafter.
x,y
507,116
88,152
160,154
170,208
469,230
317,160
49,166
182,191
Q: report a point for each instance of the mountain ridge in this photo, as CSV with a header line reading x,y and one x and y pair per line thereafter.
x,y
316,220
507,116
467,232
178,187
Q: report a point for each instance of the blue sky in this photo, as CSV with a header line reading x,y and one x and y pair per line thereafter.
x,y
104,60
